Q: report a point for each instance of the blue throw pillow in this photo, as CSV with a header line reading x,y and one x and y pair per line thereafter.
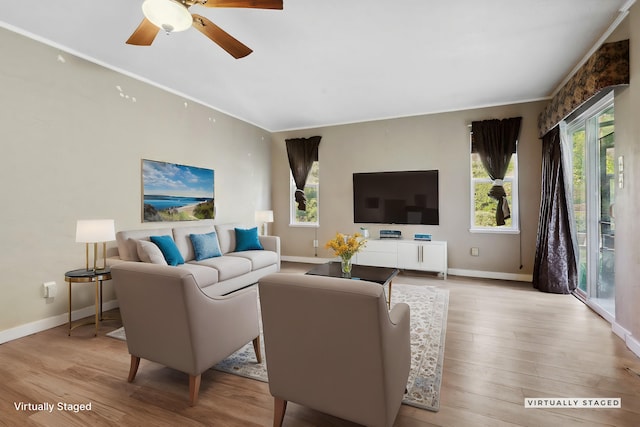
x,y
169,249
205,245
247,239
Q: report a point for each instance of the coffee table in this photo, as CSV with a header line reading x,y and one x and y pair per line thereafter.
x,y
381,275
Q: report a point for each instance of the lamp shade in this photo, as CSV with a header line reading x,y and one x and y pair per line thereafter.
x,y
264,216
95,230
169,15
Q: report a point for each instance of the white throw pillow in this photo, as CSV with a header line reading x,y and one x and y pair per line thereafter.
x,y
150,252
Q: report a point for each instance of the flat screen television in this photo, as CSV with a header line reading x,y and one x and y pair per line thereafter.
x,y
402,197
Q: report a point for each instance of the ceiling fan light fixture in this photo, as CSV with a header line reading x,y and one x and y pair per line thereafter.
x,y
170,15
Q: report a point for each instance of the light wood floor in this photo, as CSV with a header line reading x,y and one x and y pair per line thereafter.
x,y
505,341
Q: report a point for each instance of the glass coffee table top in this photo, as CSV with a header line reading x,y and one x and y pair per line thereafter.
x,y
381,275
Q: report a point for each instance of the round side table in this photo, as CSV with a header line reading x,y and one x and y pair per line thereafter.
x,y
88,276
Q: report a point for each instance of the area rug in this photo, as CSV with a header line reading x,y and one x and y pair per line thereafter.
x,y
429,307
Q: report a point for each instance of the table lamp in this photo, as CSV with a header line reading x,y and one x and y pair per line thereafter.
x,y
263,218
95,231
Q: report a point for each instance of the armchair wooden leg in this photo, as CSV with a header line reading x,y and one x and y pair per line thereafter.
x,y
256,348
133,368
279,408
194,388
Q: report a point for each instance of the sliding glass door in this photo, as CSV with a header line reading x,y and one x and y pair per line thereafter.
x,y
593,163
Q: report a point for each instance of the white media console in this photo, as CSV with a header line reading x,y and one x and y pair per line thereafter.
x,y
405,254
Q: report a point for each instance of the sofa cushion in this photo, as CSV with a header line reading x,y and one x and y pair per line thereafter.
x,y
183,241
228,266
227,237
169,249
247,239
127,249
203,275
205,245
259,259
149,252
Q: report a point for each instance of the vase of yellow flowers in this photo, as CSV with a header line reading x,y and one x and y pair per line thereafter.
x,y
346,246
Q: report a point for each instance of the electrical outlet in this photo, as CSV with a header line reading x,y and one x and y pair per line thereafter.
x,y
475,252
49,289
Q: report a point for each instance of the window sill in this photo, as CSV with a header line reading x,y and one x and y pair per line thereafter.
x,y
496,230
304,225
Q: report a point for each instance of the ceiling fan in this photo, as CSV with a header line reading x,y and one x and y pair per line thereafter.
x,y
173,16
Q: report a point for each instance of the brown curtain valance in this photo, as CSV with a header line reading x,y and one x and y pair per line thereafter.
x,y
607,67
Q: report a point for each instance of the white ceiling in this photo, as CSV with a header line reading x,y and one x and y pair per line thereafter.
x,y
328,62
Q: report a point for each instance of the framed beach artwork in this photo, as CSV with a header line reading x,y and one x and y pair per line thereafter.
x,y
172,192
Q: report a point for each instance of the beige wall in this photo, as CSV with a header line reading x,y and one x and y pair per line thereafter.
x,y
72,149
627,110
438,141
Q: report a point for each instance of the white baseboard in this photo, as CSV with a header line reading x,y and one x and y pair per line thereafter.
x,y
616,328
52,322
632,343
608,317
491,275
619,330
452,271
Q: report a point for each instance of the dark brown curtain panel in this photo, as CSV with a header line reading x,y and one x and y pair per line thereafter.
x,y
555,268
495,141
302,152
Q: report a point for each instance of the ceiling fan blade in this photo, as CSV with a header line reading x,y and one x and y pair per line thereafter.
x,y
144,34
255,4
225,40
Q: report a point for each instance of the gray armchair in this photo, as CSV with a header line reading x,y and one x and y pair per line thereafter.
x,y
169,320
332,345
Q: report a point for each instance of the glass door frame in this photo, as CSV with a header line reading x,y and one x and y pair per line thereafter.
x,y
588,121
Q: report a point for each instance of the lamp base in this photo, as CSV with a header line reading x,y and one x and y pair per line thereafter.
x,y
96,268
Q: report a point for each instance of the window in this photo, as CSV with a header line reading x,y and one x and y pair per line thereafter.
x,y
483,207
308,218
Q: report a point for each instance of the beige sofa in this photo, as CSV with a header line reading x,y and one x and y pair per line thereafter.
x,y
216,276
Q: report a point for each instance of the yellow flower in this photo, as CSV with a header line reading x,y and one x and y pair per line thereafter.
x,y
346,246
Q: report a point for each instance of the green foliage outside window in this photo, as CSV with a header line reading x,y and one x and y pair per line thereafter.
x,y
605,136
310,216
605,129
485,206
579,189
